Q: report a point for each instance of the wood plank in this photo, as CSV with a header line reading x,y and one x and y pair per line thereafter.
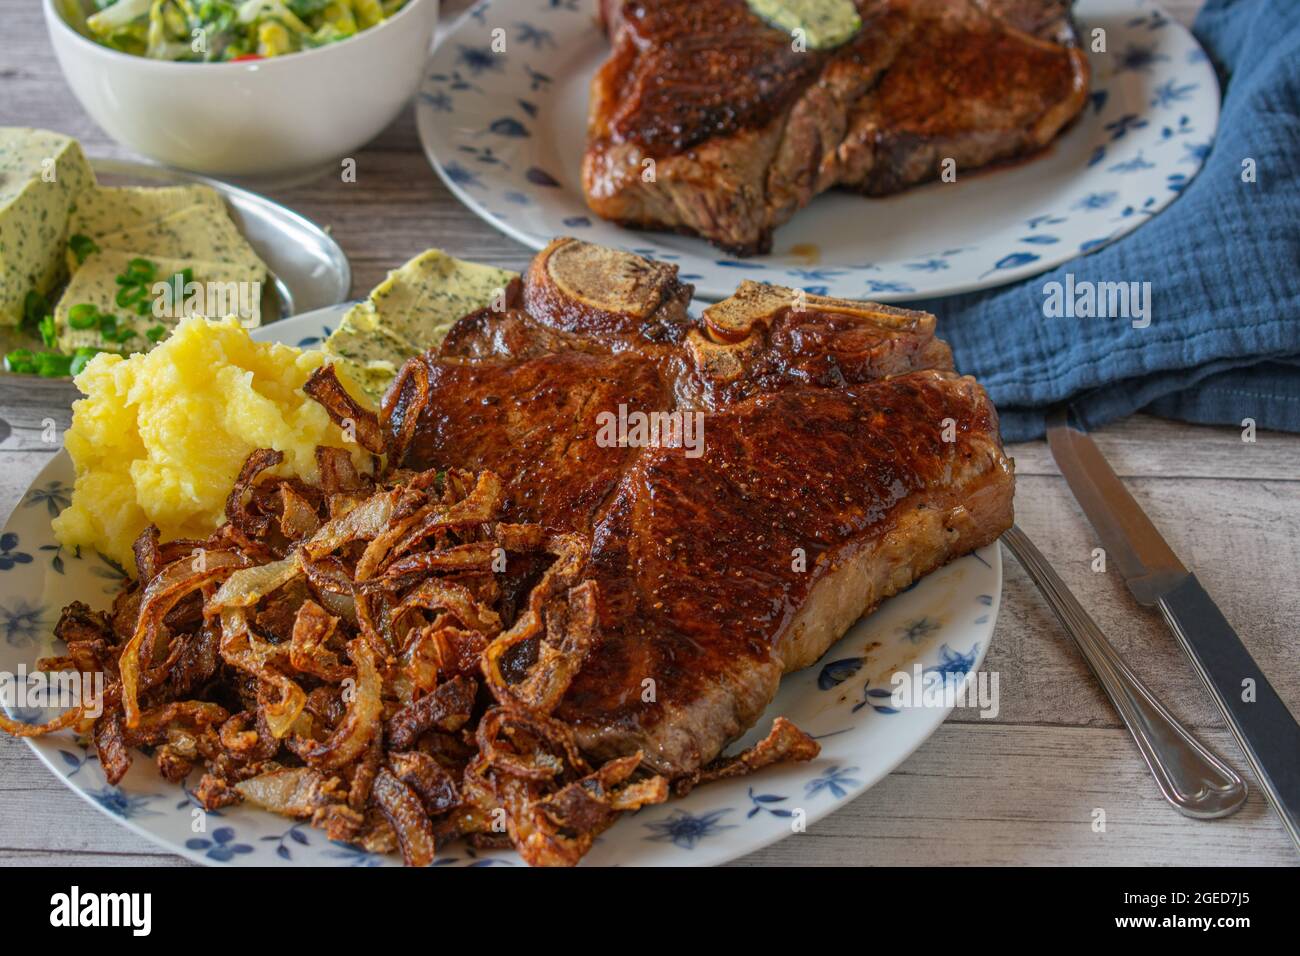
x,y
1151,447
13,857
1242,538
1020,796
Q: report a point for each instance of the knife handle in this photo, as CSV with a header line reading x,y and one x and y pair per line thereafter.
x,y
1195,781
1264,728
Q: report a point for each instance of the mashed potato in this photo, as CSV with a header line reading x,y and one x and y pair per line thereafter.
x,y
160,436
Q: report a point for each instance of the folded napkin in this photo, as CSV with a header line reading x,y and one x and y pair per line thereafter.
x,y
1223,261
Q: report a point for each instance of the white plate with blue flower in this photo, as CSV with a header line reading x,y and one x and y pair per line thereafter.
x,y
942,625
506,131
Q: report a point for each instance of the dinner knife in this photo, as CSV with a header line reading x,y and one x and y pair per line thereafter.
x,y
1268,735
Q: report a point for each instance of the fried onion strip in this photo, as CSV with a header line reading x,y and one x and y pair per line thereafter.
x,y
345,411
783,742
350,739
163,593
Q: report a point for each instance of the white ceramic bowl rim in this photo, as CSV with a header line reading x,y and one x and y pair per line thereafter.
x,y
272,62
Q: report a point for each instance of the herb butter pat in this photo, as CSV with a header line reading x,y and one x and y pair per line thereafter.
x,y
41,175
825,23
103,211
198,230
219,289
410,312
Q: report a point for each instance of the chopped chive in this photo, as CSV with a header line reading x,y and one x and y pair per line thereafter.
x,y
79,360
129,296
140,269
82,247
49,334
83,316
21,361
50,365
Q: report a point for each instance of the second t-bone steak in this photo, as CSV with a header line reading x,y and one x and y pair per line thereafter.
x,y
707,120
836,458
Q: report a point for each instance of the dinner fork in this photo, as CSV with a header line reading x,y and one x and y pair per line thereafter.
x,y
1191,778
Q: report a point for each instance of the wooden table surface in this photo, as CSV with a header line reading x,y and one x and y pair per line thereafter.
x,y
1019,789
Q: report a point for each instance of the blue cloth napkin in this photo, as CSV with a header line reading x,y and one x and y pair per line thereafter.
x,y
1223,261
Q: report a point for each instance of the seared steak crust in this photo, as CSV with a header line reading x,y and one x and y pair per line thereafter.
x,y
825,427
705,120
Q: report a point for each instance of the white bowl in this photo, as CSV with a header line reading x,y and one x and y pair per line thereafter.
x,y
256,117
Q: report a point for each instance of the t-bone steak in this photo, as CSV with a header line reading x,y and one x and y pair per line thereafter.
x,y
840,458
706,120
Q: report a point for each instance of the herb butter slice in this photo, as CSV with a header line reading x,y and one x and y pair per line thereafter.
x,y
825,23
195,232
367,351
422,300
410,312
215,290
41,174
102,211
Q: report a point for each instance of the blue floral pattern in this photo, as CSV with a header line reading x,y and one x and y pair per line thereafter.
x,y
21,622
684,829
10,554
54,495
499,128
222,847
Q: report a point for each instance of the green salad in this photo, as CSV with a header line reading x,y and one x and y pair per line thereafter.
x,y
211,31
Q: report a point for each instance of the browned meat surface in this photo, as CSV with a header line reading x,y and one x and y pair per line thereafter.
x,y
706,121
823,435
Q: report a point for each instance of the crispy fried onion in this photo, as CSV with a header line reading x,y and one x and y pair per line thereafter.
x,y
529,768
532,664
405,813
345,411
64,720
238,511
361,722
400,413
243,650
163,593
322,654
784,742
308,648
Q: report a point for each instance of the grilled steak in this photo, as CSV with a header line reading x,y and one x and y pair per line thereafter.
x,y
743,130
823,484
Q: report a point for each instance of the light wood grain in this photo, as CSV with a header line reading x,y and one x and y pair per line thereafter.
x,y
1019,789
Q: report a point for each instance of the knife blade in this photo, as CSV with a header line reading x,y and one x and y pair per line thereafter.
x,y
1264,729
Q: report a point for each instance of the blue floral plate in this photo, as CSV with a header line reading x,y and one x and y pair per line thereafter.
x,y
942,626
506,130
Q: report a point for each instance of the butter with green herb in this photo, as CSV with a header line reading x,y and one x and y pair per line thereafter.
x,y
41,175
103,308
103,211
825,23
410,312
196,231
